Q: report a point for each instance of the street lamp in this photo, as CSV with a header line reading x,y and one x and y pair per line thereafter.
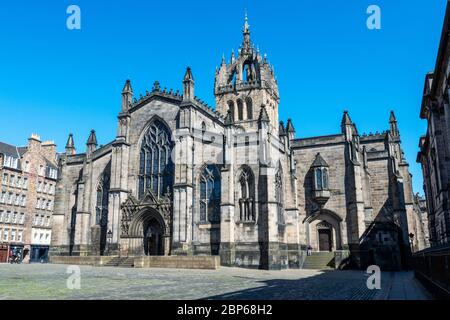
x,y
109,237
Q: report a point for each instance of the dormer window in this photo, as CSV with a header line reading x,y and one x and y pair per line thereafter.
x,y
321,182
320,168
11,162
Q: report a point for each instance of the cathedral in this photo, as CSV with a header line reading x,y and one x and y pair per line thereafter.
x,y
182,178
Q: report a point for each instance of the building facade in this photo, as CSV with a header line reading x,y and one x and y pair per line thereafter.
x,y
182,178
434,154
29,176
421,239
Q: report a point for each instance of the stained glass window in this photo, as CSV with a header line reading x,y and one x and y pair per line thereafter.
x,y
210,194
156,167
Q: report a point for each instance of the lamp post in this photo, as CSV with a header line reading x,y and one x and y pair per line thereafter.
x,y
109,238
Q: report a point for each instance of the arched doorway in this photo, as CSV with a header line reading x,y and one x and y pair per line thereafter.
x,y
325,236
323,231
145,231
153,238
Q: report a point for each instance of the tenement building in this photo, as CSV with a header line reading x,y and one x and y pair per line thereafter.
x,y
28,180
434,154
183,178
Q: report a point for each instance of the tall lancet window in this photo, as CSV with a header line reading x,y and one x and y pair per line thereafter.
x,y
248,103
247,195
231,108
210,190
279,196
101,208
155,165
240,107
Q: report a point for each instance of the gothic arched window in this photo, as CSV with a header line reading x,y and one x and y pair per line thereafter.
x,y
231,107
101,208
247,195
249,105
279,196
240,106
210,194
155,165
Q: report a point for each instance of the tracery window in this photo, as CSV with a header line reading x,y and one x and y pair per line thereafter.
x,y
247,196
101,208
279,197
210,194
155,165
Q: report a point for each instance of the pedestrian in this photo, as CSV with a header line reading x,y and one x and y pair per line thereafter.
x,y
309,250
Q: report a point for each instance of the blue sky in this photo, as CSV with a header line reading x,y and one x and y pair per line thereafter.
x,y
55,81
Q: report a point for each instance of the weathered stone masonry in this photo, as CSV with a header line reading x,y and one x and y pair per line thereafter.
x,y
184,179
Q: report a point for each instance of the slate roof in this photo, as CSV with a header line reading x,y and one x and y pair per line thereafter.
x,y
319,162
9,150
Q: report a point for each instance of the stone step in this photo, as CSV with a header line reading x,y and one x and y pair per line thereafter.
x,y
114,262
319,261
120,262
126,262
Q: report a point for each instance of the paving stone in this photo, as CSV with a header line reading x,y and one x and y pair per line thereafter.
x,y
48,281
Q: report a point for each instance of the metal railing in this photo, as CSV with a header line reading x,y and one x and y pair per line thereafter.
x,y
432,268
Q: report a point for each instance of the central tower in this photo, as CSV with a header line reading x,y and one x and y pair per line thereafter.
x,y
246,83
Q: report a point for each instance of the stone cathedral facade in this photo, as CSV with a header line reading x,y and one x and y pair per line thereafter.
x,y
182,178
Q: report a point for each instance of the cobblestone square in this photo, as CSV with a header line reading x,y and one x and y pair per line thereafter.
x,y
47,281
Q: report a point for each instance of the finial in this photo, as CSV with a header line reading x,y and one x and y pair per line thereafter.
x,y
92,140
246,25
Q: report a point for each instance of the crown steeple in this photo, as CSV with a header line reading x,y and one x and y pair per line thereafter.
x,y
244,82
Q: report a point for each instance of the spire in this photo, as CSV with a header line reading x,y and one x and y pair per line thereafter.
x,y
127,87
223,59
188,75
188,85
392,117
246,28
393,125
290,127
127,95
346,119
246,33
70,145
92,140
347,126
290,130
281,130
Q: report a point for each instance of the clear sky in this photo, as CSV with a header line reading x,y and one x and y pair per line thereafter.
x,y
55,81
